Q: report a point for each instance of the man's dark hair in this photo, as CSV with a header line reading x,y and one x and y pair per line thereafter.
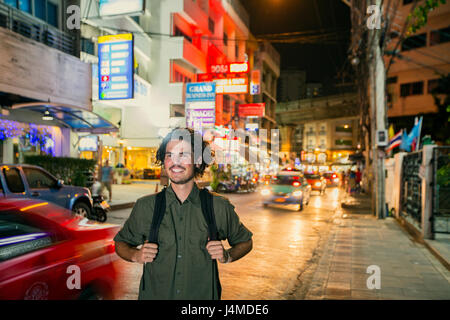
x,y
194,136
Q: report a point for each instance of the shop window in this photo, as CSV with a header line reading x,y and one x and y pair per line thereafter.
x,y
13,180
413,88
37,179
439,36
414,42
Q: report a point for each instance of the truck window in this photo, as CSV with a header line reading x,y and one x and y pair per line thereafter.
x,y
38,179
13,180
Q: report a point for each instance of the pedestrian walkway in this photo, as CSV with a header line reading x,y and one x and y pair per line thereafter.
x,y
125,195
359,240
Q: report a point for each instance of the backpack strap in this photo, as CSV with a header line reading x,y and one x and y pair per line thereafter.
x,y
158,215
206,199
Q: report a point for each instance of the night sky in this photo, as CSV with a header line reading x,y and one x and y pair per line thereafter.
x,y
320,61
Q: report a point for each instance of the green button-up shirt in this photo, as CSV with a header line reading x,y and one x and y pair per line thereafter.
x,y
183,267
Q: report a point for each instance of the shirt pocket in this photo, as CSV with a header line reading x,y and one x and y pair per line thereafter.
x,y
198,239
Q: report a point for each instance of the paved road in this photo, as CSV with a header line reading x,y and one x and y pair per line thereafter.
x,y
322,252
285,245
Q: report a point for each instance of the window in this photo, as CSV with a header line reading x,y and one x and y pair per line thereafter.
x,y
342,142
413,88
39,9
439,36
179,33
135,18
179,77
211,25
25,5
236,51
415,42
343,128
405,2
13,180
177,110
391,80
52,14
12,3
18,237
87,46
37,179
225,39
435,84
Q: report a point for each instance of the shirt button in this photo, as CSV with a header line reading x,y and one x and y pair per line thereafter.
x,y
178,291
179,256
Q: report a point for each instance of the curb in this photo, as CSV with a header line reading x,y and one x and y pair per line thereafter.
x,y
122,206
418,237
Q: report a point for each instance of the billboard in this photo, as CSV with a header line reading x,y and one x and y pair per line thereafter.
x,y
115,67
120,7
200,105
233,85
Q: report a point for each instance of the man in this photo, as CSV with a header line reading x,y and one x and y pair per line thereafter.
x,y
107,178
180,266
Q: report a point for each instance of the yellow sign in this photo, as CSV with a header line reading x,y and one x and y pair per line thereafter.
x,y
116,38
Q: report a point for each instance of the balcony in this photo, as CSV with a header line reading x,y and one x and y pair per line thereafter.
x,y
189,53
310,133
33,28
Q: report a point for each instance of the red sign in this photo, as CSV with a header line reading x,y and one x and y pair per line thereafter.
x,y
252,109
232,67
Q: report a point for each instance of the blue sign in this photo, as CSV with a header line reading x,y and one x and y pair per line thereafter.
x,y
201,91
115,67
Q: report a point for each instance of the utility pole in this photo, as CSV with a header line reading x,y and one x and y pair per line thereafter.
x,y
377,100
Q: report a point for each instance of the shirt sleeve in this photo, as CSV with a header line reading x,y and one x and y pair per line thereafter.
x,y
236,232
131,231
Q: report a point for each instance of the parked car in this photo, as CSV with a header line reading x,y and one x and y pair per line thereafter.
x,y
43,247
317,182
27,181
332,179
287,187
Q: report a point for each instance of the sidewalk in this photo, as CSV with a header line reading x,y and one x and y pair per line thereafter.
x,y
125,195
358,240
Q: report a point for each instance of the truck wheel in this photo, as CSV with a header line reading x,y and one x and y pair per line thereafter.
x,y
82,209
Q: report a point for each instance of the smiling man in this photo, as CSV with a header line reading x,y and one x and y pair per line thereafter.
x,y
180,265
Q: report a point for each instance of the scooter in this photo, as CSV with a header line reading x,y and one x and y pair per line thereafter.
x,y
99,209
100,206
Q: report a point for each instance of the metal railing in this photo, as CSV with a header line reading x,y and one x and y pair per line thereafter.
x,y
411,189
441,190
33,28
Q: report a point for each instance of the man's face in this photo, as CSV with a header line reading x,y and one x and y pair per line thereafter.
x,y
178,162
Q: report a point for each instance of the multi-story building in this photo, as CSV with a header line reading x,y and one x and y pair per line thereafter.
x,y
422,58
291,85
45,89
267,63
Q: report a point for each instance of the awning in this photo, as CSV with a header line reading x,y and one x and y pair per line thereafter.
x,y
79,120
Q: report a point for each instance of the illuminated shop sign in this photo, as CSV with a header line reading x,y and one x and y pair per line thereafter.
x,y
88,143
115,71
252,110
200,105
255,82
120,7
233,67
230,86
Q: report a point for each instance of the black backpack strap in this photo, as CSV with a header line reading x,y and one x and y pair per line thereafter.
x,y
206,199
208,212
158,215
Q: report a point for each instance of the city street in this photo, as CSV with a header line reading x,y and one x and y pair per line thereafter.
x,y
314,254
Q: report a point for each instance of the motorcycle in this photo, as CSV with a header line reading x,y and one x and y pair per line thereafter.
x,y
99,209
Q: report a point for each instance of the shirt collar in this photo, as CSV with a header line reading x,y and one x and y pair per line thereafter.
x,y
194,196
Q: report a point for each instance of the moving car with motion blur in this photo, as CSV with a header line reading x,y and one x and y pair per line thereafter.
x,y
288,187
332,179
317,182
48,253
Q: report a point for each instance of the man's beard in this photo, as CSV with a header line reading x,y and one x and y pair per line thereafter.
x,y
183,181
